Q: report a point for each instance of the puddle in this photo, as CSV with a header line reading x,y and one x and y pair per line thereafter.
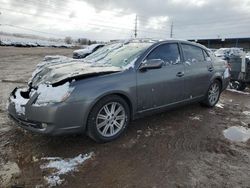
x,y
237,134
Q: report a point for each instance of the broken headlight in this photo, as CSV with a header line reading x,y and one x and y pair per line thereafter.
x,y
47,94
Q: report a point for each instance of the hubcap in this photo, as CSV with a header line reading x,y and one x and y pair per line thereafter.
x,y
234,85
213,93
110,119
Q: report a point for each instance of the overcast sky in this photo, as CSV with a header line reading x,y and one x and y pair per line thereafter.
x,y
115,19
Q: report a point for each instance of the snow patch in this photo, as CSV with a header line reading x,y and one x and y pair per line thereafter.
x,y
247,113
62,166
219,105
48,94
240,92
237,134
130,65
87,50
19,101
196,118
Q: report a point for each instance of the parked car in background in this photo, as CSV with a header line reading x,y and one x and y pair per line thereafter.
x,y
213,49
239,64
82,53
102,93
240,72
224,52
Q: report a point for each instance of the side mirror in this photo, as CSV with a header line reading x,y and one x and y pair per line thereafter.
x,y
151,64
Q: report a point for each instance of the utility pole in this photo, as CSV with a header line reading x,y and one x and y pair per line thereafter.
x,y
136,20
172,30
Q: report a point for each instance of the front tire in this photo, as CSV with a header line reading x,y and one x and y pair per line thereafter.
x,y
213,94
108,119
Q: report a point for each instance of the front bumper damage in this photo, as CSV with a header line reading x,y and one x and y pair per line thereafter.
x,y
52,119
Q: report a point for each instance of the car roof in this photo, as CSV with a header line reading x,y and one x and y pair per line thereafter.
x,y
184,42
161,41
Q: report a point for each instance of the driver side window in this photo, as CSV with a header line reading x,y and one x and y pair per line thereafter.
x,y
169,53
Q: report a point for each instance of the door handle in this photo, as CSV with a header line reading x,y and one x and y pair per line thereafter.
x,y
210,69
180,74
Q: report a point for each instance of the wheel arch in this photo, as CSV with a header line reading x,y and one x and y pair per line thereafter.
x,y
121,94
218,78
220,81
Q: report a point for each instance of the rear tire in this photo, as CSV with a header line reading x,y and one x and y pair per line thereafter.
x,y
108,119
213,94
240,86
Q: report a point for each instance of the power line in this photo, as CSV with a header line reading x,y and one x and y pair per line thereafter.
x,y
139,17
28,29
99,25
95,23
228,18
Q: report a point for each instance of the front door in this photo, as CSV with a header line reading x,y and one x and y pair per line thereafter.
x,y
164,86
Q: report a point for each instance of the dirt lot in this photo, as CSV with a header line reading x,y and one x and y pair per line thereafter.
x,y
180,148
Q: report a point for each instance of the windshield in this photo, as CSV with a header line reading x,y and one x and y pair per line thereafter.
x,y
118,54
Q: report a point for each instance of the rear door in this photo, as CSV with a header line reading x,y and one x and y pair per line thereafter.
x,y
198,71
164,86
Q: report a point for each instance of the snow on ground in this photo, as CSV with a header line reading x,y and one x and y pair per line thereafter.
x,y
237,134
219,105
247,113
240,92
196,118
63,166
19,101
29,42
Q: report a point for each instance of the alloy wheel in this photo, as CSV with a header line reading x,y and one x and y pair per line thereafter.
x,y
110,119
214,93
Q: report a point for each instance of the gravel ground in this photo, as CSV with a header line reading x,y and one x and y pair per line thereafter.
x,y
184,147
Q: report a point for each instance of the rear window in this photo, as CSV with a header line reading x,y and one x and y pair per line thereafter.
x,y
192,53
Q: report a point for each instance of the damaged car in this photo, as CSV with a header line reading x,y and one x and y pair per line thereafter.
x,y
82,53
120,82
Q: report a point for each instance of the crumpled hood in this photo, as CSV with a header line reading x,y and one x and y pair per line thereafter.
x,y
82,51
57,73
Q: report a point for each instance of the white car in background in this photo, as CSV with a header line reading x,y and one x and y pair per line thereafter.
x,y
82,53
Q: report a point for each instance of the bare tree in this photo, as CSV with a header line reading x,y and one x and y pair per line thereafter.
x,y
68,40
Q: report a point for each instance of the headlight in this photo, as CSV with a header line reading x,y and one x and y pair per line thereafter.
x,y
48,94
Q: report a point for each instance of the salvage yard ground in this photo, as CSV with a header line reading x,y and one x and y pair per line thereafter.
x,y
185,147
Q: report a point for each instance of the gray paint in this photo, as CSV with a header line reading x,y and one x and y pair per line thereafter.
x,y
146,92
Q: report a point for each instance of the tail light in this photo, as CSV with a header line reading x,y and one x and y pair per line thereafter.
x,y
228,65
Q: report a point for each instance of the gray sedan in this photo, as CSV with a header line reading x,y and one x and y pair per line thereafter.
x,y
120,82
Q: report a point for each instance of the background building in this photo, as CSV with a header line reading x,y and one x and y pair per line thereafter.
x,y
225,43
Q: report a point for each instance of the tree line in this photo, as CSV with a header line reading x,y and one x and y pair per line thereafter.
x,y
80,41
